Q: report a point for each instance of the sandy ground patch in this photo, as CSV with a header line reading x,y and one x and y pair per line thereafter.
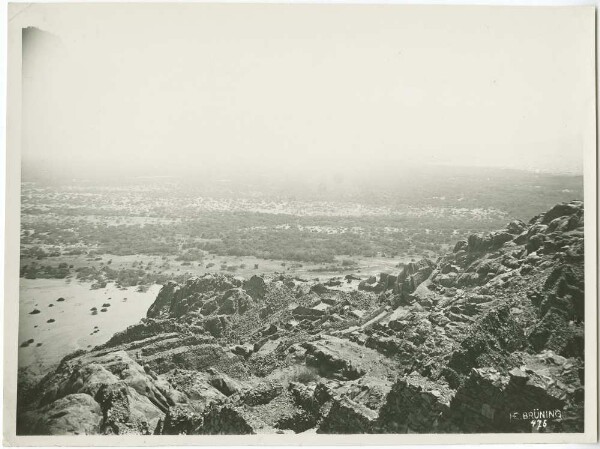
x,y
74,325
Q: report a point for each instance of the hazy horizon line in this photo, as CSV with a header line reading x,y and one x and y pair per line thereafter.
x,y
29,174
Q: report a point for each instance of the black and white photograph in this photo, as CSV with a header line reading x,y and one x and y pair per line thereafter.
x,y
300,221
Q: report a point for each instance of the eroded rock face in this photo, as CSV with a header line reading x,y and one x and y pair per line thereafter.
x,y
492,400
180,420
347,416
74,414
334,357
129,399
255,287
475,342
177,300
411,276
416,404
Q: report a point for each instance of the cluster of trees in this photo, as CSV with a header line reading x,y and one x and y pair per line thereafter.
x,y
191,255
299,245
267,236
35,270
36,252
124,277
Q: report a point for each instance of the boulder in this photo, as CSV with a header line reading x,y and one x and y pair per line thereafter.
x,y
234,301
230,420
216,325
181,420
311,313
561,210
347,416
262,394
460,246
224,383
255,287
411,276
74,414
516,227
415,404
334,357
126,411
320,288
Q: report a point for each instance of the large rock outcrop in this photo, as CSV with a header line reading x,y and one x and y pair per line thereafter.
x,y
485,339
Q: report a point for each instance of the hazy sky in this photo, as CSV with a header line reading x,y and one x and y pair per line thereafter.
x,y
163,88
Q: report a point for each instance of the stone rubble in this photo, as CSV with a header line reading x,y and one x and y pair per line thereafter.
x,y
485,339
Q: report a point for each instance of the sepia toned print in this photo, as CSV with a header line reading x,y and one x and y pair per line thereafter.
x,y
304,219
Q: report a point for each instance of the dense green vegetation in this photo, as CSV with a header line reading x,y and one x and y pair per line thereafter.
x,y
124,277
423,213
304,239
35,270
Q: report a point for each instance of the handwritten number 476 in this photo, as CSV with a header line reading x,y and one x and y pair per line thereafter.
x,y
538,423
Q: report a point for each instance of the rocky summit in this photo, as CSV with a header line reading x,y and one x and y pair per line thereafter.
x,y
488,338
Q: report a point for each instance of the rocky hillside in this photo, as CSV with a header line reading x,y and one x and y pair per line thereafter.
x,y
488,338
